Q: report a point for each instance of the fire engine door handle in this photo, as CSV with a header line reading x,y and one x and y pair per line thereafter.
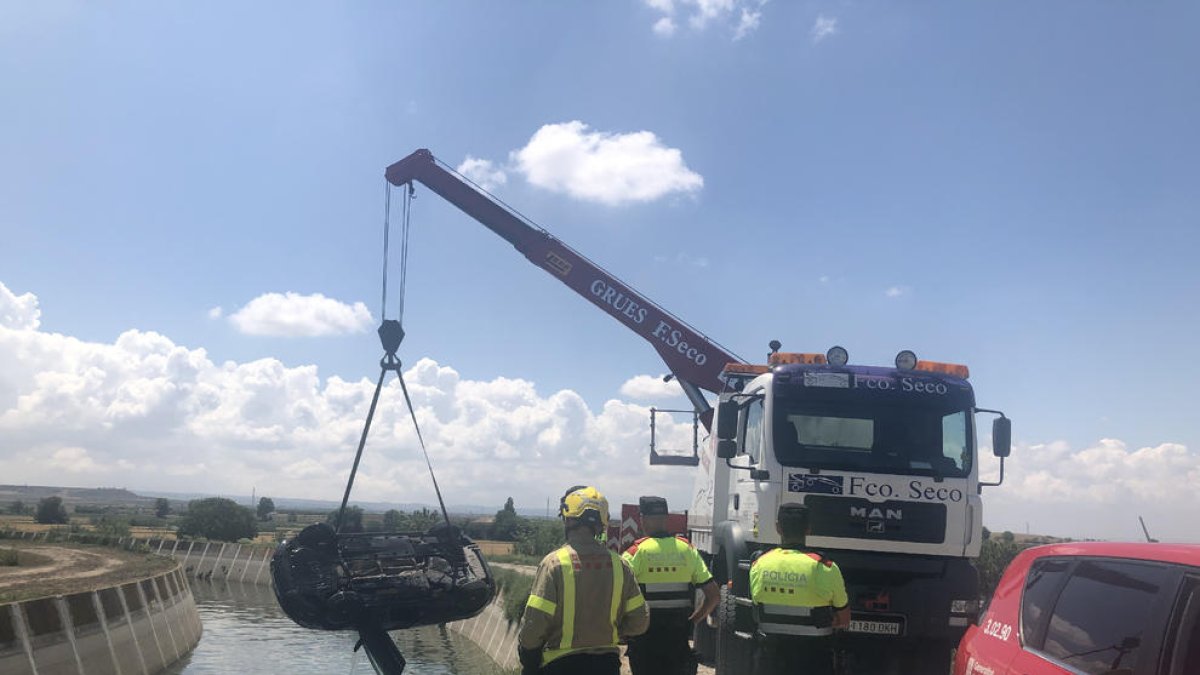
x,y
737,500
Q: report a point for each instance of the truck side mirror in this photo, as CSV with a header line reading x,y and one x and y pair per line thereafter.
x,y
1001,437
727,419
726,449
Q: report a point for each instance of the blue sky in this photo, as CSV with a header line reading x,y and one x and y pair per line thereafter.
x,y
1022,179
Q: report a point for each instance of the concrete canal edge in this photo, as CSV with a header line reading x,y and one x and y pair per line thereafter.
x,y
205,561
491,631
135,628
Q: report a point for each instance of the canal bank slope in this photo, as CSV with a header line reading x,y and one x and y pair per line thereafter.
x,y
94,611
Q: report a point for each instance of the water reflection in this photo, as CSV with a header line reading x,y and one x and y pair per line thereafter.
x,y
246,632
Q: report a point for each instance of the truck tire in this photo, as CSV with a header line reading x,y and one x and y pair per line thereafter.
x,y
734,655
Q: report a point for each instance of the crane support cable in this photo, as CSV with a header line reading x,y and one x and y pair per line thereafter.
x,y
391,333
387,228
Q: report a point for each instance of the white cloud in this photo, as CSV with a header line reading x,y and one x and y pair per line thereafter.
x,y
19,312
742,16
145,412
483,172
824,27
1097,491
603,167
748,23
216,312
707,10
73,459
824,280
650,388
294,315
664,27
896,291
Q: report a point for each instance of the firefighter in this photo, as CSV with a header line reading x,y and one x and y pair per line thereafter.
x,y
584,598
669,569
799,599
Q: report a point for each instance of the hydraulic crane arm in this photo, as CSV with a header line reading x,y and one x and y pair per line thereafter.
x,y
695,360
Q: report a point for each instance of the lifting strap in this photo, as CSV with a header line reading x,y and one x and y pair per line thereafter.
x,y
391,334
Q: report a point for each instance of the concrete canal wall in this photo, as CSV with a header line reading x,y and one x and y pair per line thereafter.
x,y
492,633
136,628
245,563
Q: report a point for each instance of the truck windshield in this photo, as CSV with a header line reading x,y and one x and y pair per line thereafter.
x,y
907,439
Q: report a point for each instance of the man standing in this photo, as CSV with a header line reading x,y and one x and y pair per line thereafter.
x,y
799,598
584,598
669,569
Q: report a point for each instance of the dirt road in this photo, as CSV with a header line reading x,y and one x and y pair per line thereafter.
x,y
70,569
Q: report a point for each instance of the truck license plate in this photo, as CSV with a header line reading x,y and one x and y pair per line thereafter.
x,y
875,627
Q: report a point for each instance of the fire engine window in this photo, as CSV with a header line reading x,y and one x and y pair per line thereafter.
x,y
754,430
1102,616
1041,588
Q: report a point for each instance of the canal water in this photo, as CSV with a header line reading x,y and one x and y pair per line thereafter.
x,y
246,632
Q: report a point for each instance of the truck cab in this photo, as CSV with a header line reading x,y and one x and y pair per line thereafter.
x,y
885,460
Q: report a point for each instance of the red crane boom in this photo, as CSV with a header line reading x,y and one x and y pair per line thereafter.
x,y
694,359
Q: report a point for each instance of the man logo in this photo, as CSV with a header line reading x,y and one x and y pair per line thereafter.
x,y
876,513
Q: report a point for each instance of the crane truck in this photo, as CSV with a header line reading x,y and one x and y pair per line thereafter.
x,y
885,459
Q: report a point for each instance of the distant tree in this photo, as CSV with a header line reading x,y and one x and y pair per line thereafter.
x,y
420,521
352,520
504,527
162,507
994,556
17,508
218,518
266,506
51,510
1007,536
987,534
393,520
537,537
111,526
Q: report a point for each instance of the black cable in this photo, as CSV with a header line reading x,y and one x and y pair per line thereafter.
x,y
387,228
407,214
421,440
362,443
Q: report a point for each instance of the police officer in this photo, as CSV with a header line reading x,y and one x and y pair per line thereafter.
x,y
669,570
584,598
799,598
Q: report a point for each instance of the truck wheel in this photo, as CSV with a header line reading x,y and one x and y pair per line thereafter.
x,y
734,654
704,641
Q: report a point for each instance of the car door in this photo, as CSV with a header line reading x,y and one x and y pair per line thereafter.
x,y
1108,618
1181,653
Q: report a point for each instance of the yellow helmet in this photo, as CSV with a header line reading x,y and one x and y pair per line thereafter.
x,y
586,503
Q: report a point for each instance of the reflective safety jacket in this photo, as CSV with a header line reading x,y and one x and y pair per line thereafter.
x,y
668,569
584,599
795,592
